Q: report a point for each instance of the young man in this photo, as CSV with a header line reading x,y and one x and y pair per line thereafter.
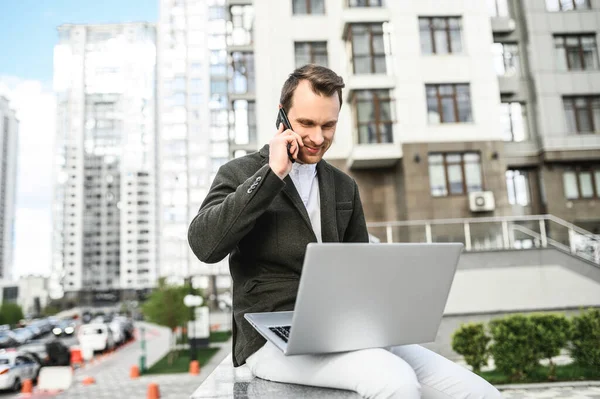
x,y
263,210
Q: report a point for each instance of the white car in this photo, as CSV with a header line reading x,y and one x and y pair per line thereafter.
x,y
96,336
16,367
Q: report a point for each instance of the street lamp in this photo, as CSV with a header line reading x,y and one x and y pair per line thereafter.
x,y
192,301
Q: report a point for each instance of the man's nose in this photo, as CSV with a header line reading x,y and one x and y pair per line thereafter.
x,y
316,136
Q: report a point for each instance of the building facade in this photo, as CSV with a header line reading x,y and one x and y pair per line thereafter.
x,y
454,109
193,124
9,126
105,201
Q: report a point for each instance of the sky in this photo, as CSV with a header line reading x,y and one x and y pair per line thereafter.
x,y
27,39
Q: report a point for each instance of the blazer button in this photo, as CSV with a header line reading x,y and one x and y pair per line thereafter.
x,y
250,190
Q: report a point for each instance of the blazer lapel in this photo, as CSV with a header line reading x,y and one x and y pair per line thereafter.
x,y
329,232
290,190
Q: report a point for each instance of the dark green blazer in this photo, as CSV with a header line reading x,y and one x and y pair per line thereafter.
x,y
262,223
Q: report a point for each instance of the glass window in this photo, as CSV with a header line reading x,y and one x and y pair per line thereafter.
x,y
448,103
567,5
517,185
300,7
310,53
582,182
498,8
582,114
373,116
455,173
514,121
364,3
368,48
506,59
243,80
440,35
576,52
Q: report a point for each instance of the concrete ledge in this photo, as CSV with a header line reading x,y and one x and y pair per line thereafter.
x,y
228,382
549,385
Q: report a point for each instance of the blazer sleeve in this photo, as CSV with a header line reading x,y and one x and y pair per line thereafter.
x,y
357,228
230,210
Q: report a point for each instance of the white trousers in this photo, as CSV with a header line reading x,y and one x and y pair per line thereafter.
x,y
407,372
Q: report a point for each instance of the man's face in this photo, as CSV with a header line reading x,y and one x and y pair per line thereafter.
x,y
314,117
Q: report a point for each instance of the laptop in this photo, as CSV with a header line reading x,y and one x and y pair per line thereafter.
x,y
359,295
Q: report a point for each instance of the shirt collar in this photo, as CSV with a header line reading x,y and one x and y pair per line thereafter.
x,y
305,169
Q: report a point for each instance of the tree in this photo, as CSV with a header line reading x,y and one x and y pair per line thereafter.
x,y
165,305
471,341
10,313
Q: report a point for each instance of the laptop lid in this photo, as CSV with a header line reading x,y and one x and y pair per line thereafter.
x,y
358,295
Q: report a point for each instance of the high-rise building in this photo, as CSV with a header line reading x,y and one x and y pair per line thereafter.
x,y
193,122
105,208
8,175
452,109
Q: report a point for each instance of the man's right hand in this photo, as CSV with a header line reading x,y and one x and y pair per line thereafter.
x,y
278,152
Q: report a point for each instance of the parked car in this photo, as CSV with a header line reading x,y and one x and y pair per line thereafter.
x,y
15,367
64,328
22,335
36,347
97,336
128,325
8,340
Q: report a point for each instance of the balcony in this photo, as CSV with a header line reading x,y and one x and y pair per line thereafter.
x,y
376,155
363,15
509,84
503,25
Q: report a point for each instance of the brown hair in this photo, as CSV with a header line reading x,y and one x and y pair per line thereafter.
x,y
322,80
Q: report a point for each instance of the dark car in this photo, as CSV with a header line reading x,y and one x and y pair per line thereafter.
x,y
7,340
64,328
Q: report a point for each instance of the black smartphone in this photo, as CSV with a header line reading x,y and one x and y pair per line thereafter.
x,y
282,118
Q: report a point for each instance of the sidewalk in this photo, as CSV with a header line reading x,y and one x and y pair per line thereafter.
x,y
112,372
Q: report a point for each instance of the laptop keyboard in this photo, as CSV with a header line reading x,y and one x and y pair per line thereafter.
x,y
282,332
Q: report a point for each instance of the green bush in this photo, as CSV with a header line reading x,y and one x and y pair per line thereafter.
x,y
552,334
471,341
513,348
585,340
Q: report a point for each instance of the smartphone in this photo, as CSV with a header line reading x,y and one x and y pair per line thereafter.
x,y
282,118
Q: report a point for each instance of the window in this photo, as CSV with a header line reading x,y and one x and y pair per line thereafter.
x,y
240,28
514,121
365,3
310,53
448,103
302,7
373,116
576,52
440,35
243,73
517,185
454,173
243,130
498,8
567,5
582,114
506,59
368,48
582,182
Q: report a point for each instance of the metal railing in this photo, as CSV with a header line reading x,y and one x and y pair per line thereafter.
x,y
495,233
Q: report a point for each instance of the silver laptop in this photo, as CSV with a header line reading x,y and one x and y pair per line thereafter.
x,y
358,295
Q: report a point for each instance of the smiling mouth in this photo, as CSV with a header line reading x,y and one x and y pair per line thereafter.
x,y
312,150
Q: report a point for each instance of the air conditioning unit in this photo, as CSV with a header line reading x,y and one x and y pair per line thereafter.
x,y
481,201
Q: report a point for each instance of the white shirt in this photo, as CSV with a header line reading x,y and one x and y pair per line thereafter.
x,y
306,182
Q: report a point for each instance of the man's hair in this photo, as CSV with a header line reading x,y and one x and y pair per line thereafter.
x,y
323,81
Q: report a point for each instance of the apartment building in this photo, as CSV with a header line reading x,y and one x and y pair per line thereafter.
x,y
193,124
452,109
105,199
9,126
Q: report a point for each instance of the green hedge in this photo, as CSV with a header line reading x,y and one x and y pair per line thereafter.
x,y
519,342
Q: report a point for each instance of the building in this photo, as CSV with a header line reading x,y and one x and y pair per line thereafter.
x,y
193,124
105,202
29,292
9,126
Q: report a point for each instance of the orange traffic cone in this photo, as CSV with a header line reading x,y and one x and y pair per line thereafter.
x,y
89,381
153,391
194,367
27,386
134,372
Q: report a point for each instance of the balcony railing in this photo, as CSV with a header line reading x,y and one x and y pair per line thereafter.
x,y
496,233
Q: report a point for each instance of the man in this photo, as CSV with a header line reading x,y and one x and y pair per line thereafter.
x,y
263,210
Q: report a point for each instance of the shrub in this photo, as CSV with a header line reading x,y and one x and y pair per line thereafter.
x,y
513,349
585,340
552,334
471,341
